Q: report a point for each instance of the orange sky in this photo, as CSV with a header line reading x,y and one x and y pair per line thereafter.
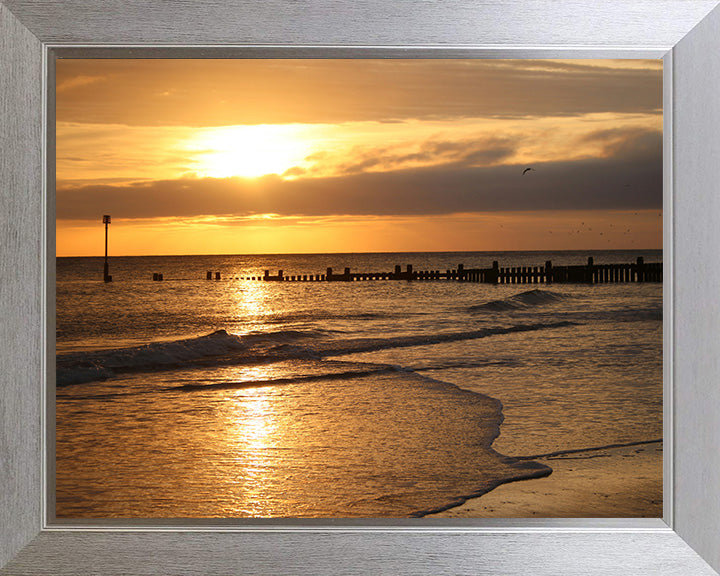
x,y
276,156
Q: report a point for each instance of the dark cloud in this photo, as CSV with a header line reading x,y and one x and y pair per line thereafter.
x,y
468,152
226,92
294,171
626,141
631,179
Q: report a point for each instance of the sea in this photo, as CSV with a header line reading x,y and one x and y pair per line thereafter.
x,y
242,398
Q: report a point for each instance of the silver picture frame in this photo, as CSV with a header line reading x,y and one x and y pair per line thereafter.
x,y
685,33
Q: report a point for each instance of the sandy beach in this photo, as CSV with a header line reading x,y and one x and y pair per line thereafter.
x,y
621,482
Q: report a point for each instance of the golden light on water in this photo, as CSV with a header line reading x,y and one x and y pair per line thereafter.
x,y
254,424
251,429
249,301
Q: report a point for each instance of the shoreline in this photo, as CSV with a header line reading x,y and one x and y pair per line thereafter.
x,y
616,481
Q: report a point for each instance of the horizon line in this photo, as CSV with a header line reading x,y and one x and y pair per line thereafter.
x,y
329,253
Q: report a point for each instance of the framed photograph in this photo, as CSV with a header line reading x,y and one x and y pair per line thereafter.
x,y
80,499
331,234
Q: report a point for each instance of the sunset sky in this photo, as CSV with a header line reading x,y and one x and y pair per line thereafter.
x,y
301,156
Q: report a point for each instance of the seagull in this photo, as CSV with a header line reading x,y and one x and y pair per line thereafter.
x,y
526,169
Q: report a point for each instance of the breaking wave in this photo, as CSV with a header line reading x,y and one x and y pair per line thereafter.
x,y
76,368
223,348
520,301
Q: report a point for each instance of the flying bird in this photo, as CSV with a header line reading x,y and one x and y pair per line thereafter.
x,y
526,170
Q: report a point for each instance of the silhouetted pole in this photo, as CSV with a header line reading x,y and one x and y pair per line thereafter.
x,y
106,271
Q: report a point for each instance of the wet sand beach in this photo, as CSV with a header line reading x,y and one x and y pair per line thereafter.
x,y
608,483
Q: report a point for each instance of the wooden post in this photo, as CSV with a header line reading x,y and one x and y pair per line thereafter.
x,y
106,267
548,272
209,274
217,275
640,269
590,270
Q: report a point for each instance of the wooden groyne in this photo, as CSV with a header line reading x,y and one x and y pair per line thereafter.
x,y
589,273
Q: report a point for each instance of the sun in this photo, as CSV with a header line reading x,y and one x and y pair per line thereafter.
x,y
249,151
